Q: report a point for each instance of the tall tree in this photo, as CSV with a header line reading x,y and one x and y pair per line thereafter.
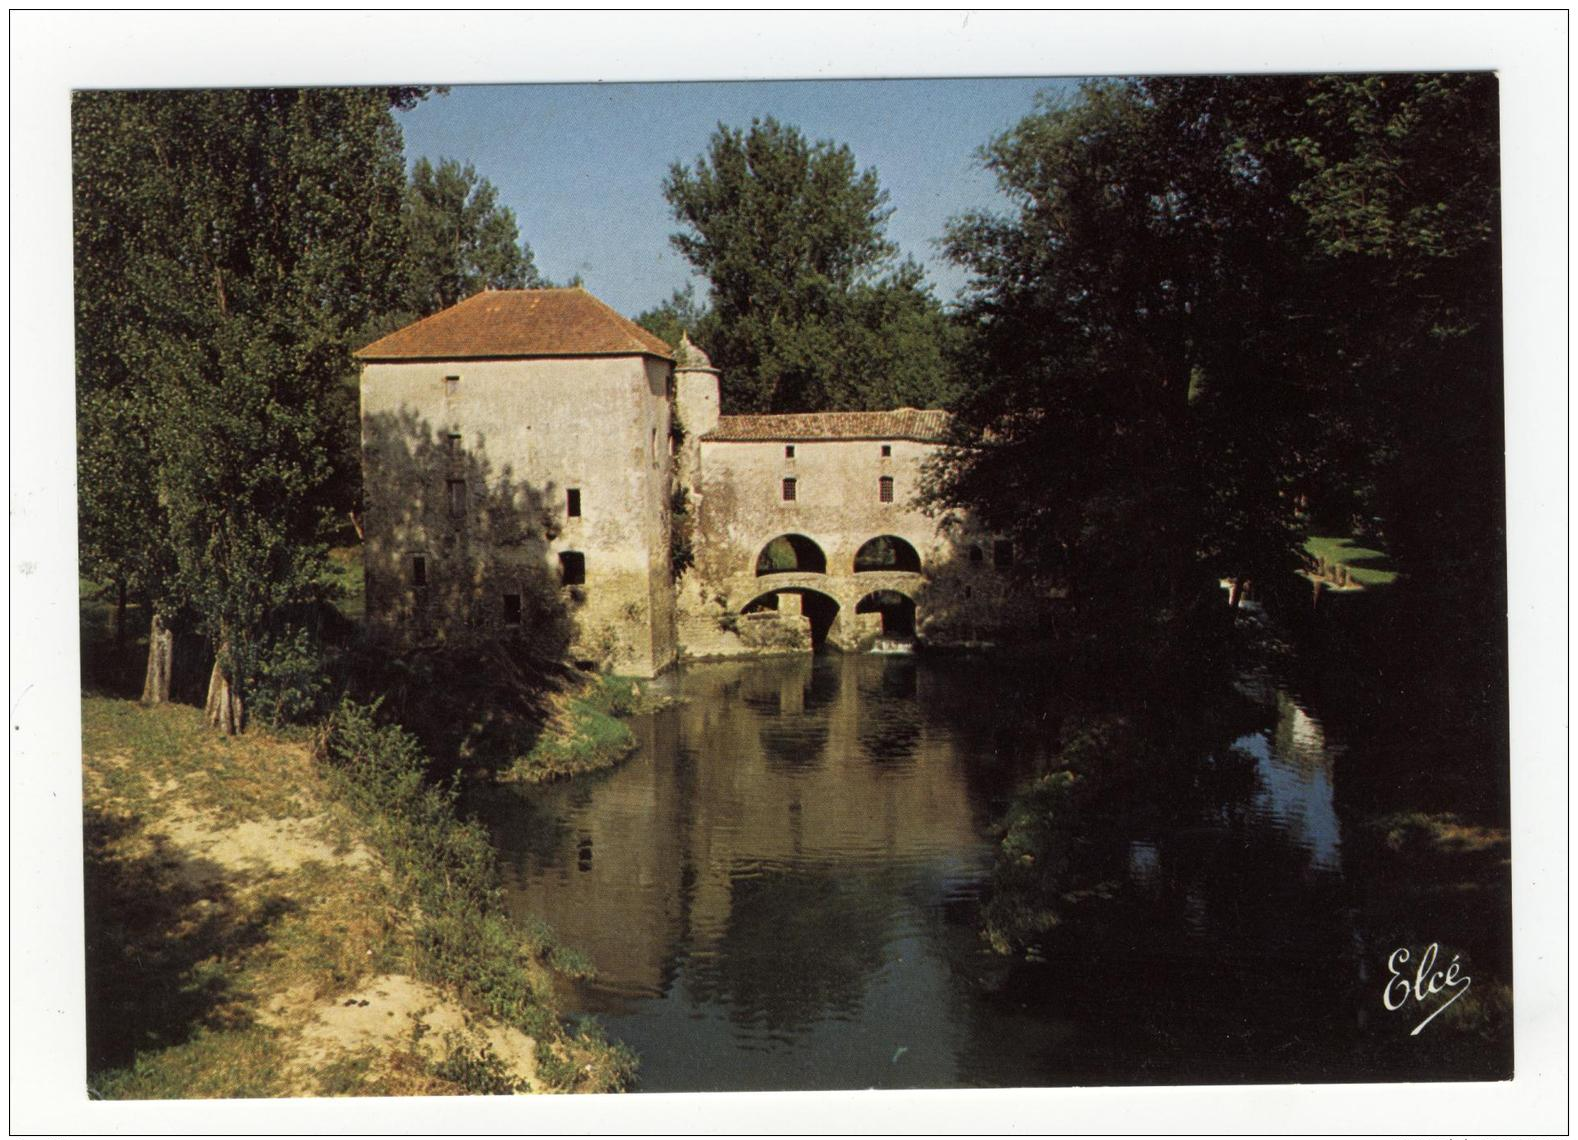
x,y
459,239
260,230
809,307
1210,294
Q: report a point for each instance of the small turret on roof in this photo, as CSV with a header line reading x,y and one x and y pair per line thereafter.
x,y
689,357
509,323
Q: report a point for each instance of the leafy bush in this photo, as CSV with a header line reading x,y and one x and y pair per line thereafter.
x,y
475,1067
288,684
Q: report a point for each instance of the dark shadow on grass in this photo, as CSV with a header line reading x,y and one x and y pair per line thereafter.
x,y
163,935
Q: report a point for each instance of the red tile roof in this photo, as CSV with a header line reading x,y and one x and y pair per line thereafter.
x,y
903,423
519,322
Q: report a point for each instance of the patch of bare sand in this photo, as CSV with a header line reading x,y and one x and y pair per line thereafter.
x,y
253,847
380,1017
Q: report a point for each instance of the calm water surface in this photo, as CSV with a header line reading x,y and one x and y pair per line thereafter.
x,y
783,890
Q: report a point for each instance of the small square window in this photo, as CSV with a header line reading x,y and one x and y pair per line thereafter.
x,y
976,555
1002,553
789,490
788,451
885,488
572,568
452,443
887,450
512,609
572,503
418,571
457,497
452,385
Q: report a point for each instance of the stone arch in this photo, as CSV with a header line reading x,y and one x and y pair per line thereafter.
x,y
887,552
790,554
822,610
896,607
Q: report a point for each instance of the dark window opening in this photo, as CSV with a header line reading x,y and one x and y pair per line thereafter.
x,y
512,609
788,451
572,568
976,555
419,571
452,442
457,497
451,385
572,502
969,591
885,488
1002,553
789,490
887,450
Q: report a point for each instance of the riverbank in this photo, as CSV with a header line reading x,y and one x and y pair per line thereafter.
x,y
269,918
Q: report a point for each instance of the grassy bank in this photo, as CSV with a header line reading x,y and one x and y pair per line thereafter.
x,y
583,732
1342,558
270,917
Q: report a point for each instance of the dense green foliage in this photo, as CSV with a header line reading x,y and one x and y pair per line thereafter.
x,y
458,240
810,308
1220,306
229,246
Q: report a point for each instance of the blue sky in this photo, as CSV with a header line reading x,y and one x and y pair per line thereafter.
x,y
582,165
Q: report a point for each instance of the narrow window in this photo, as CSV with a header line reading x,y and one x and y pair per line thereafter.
x,y
789,490
512,609
1002,553
452,443
887,450
969,591
788,451
419,571
885,488
572,568
452,385
976,555
457,497
572,503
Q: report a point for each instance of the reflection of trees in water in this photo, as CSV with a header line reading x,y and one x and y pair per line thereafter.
x,y
799,945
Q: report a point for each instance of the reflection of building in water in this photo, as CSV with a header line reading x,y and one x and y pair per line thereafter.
x,y
779,855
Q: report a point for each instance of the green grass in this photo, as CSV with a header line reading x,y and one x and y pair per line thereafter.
x,y
585,736
1361,561
348,577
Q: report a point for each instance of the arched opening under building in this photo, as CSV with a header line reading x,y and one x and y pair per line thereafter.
x,y
897,610
791,553
887,552
819,609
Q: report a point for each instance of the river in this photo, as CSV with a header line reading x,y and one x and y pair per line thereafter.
x,y
788,887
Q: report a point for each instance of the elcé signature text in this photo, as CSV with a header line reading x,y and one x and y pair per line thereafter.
x,y
1427,982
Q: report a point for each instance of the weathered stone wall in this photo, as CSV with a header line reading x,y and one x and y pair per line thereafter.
x,y
739,507
472,476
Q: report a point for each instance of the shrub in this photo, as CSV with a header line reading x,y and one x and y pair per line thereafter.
x,y
288,683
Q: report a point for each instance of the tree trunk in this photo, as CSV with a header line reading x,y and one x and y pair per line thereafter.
x,y
223,707
161,662
120,615
356,522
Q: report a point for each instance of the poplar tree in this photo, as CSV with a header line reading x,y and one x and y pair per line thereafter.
x,y
229,246
811,308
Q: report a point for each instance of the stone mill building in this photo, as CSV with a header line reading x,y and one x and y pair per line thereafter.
x,y
534,460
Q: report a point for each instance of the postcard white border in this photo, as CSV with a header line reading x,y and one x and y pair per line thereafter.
x,y
53,52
